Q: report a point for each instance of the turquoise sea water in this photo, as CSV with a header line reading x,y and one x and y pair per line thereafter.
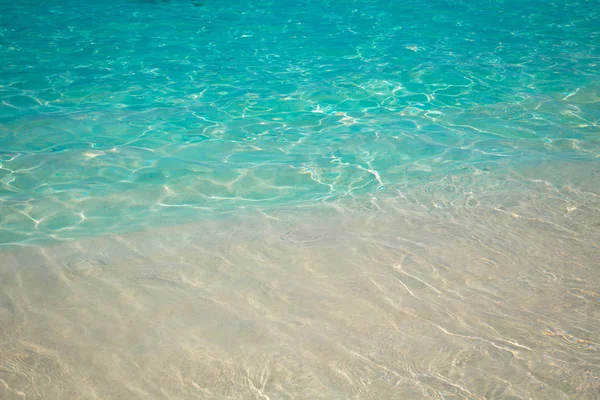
x,y
299,199
119,114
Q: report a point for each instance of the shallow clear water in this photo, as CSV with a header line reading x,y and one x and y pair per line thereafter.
x,y
299,199
117,114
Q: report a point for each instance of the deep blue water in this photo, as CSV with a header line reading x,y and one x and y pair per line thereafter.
x,y
116,114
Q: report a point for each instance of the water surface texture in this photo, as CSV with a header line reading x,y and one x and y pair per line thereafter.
x,y
116,113
299,199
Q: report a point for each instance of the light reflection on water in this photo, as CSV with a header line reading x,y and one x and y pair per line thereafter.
x,y
281,199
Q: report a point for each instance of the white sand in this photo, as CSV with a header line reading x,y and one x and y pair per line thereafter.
x,y
477,296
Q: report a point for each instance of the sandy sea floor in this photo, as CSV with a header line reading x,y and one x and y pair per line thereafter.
x,y
482,294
